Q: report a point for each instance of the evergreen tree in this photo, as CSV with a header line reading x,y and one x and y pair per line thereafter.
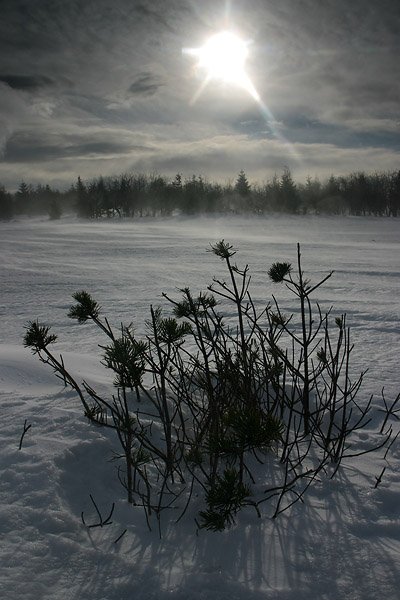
x,y
288,194
83,204
332,201
311,195
213,197
6,204
375,199
355,191
177,183
157,195
272,194
55,210
394,194
242,186
24,198
193,195
138,194
122,190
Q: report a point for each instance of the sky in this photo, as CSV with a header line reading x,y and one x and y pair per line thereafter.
x,y
103,87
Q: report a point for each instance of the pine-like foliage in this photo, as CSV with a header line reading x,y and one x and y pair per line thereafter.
x,y
37,336
86,307
223,401
224,498
279,271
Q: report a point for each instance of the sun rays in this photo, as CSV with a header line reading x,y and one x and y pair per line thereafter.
x,y
222,58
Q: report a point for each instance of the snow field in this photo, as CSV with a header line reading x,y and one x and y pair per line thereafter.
x,y
343,542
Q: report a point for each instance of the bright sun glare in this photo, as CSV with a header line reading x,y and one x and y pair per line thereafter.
x,y
223,58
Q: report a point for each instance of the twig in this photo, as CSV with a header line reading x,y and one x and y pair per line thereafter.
x,y
391,444
390,410
120,536
379,479
102,521
26,428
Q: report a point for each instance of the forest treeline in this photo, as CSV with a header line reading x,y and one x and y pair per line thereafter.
x,y
132,195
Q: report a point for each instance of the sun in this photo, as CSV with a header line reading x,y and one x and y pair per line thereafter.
x,y
223,58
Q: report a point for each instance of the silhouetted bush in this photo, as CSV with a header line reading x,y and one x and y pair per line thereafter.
x,y
223,400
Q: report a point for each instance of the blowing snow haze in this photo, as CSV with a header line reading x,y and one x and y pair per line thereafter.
x,y
99,87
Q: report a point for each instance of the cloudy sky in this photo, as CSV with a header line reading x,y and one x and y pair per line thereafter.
x,y
90,87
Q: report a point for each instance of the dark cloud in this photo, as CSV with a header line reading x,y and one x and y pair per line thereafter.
x,y
26,82
29,149
145,84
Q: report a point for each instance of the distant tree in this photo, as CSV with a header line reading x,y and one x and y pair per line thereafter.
x,y
289,197
24,198
91,199
158,197
83,204
55,210
131,194
193,195
213,197
310,195
177,182
376,197
272,194
6,204
46,200
101,197
332,201
257,200
242,186
121,192
173,194
138,194
394,194
355,188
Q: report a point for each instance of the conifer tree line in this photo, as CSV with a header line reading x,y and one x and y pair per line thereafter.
x,y
137,195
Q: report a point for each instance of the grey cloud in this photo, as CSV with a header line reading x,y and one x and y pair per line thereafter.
x,y
22,148
26,82
329,54
13,109
86,41
301,126
216,158
153,15
145,84
223,157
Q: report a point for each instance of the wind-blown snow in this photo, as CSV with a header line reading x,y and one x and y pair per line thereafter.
x,y
343,542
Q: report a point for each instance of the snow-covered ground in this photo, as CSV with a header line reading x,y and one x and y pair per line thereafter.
x,y
343,542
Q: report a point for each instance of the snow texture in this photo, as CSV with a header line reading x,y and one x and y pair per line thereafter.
x,y
343,542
